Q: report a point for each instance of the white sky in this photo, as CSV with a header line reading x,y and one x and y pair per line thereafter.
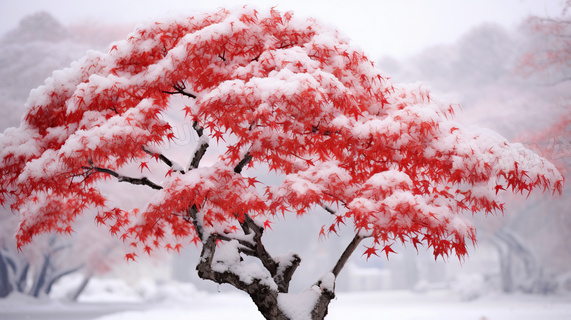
x,y
395,27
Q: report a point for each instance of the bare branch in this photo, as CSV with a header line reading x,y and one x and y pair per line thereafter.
x,y
162,157
136,181
244,162
198,154
179,89
346,254
328,209
249,226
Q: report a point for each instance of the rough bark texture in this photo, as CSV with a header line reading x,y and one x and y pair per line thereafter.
x,y
264,295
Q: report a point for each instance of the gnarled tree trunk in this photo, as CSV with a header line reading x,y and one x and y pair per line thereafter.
x,y
265,288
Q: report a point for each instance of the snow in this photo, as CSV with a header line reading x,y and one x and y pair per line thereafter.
x,y
227,259
328,282
388,305
299,306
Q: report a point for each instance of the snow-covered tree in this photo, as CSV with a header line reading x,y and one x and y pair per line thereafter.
x,y
260,90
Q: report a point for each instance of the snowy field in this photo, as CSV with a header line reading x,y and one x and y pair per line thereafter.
x,y
178,303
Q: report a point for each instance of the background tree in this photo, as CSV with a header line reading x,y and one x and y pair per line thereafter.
x,y
547,62
34,270
42,41
266,91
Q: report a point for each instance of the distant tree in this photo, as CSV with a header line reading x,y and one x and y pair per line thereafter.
x,y
546,62
548,50
35,269
28,54
266,91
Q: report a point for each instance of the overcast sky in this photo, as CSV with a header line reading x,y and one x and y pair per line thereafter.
x,y
394,27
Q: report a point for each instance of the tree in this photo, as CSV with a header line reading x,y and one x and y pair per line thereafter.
x,y
548,51
265,91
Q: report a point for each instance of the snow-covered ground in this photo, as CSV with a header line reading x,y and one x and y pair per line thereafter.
x,y
177,301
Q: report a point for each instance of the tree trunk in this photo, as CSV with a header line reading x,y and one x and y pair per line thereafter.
x,y
6,286
265,293
22,278
75,296
40,280
267,303
519,268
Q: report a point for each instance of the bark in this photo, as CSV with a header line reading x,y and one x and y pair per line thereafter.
x,y
264,296
261,291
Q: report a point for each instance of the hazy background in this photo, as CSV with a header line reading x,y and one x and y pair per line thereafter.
x,y
380,27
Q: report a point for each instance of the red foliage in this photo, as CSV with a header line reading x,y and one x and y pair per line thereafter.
x,y
270,90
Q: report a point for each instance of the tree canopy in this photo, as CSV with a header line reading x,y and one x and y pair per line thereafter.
x,y
266,89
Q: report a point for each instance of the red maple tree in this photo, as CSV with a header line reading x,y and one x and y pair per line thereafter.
x,y
267,91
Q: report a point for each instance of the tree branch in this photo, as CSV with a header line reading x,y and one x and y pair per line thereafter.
x,y
205,270
163,158
192,216
201,150
328,209
244,162
346,254
179,89
136,181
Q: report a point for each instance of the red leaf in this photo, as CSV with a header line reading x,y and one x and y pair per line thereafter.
x,y
267,224
370,251
130,256
144,165
387,249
